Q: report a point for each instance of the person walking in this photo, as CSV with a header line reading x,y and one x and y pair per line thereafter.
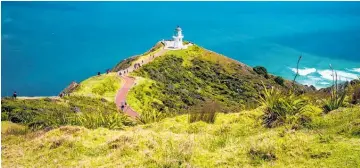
x,y
14,95
98,73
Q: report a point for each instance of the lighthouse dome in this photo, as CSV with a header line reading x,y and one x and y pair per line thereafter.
x,y
178,28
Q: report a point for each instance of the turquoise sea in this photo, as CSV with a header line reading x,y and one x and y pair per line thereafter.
x,y
47,45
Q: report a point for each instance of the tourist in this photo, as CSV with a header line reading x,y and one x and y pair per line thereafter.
x,y
142,61
107,71
122,107
120,73
98,73
14,95
125,104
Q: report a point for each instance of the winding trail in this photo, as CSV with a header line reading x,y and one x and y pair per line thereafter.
x,y
120,98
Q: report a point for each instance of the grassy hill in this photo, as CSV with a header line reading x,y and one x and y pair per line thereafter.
x,y
183,78
234,140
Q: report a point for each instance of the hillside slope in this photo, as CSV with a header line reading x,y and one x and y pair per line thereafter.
x,y
181,79
234,140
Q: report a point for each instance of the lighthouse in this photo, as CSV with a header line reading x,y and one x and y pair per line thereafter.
x,y
176,43
178,38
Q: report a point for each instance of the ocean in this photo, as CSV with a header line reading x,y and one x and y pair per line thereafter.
x,y
47,45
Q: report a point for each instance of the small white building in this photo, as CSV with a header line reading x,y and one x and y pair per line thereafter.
x,y
177,42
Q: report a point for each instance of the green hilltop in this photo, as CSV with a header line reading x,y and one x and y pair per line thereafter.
x,y
197,108
181,79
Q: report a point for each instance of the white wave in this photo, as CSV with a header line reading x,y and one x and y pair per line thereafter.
x,y
305,71
315,81
314,78
324,83
355,70
342,75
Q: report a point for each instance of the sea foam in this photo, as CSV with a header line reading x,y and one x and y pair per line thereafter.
x,y
342,75
355,70
305,71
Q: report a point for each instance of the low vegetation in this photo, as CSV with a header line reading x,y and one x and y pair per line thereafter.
x,y
233,140
205,112
184,78
72,110
103,86
284,108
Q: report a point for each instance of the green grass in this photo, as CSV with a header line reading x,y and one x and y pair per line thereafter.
x,y
103,86
71,110
183,78
233,140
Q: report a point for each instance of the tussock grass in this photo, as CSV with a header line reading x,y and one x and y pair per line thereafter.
x,y
205,112
233,140
72,110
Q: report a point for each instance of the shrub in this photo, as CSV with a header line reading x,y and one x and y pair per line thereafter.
x,y
283,108
279,80
205,112
355,93
261,71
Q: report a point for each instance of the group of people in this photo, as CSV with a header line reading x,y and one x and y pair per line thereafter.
x,y
123,105
125,71
137,65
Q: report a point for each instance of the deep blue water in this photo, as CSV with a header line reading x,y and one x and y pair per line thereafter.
x,y
46,45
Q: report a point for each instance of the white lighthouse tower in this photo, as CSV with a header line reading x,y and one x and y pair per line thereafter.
x,y
178,38
177,42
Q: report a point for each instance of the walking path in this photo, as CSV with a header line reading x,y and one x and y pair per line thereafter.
x,y
120,98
